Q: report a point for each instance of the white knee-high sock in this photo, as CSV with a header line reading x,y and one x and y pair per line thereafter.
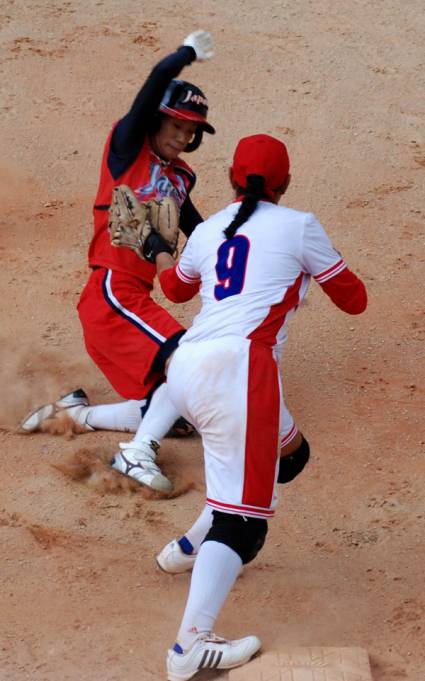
x,y
159,418
214,573
124,416
191,541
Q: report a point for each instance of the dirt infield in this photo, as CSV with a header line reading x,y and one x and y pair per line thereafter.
x,y
342,83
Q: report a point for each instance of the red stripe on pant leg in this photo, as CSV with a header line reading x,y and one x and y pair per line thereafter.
x,y
262,429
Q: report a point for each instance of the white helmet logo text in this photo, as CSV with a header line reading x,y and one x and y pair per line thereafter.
x,y
197,99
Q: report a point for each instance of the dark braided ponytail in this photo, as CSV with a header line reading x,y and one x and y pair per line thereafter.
x,y
253,193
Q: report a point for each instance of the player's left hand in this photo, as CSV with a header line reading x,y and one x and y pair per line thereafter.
x,y
201,41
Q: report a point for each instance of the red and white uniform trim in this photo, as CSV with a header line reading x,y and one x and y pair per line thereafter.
x,y
185,277
286,439
251,511
128,314
330,272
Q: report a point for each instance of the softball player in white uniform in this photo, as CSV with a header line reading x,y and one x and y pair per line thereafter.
x,y
253,262
224,376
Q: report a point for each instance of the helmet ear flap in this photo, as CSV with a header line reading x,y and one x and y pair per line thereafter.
x,y
196,142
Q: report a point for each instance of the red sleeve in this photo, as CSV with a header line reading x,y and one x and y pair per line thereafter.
x,y
175,289
347,292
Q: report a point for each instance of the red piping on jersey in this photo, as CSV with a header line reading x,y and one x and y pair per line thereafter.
x,y
241,510
286,439
262,427
267,331
330,272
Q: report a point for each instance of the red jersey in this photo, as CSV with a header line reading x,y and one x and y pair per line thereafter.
x,y
150,178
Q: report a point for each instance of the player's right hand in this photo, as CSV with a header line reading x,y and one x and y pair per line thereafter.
x,y
201,41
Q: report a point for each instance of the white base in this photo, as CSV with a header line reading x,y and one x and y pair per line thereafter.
x,y
307,664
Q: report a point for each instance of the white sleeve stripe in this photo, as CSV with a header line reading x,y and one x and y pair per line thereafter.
x,y
329,273
186,278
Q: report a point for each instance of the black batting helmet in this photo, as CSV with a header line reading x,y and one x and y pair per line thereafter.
x,y
187,102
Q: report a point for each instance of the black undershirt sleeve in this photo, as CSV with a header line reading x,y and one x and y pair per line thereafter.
x,y
189,217
130,131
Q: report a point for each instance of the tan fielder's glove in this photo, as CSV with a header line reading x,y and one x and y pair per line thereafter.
x,y
131,223
164,217
128,220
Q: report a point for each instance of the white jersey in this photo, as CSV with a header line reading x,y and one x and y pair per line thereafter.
x,y
252,283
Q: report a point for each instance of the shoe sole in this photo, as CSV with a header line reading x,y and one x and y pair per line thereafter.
x,y
171,676
187,569
172,572
248,659
33,421
161,568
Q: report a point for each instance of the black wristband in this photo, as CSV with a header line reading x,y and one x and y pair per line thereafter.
x,y
190,50
153,246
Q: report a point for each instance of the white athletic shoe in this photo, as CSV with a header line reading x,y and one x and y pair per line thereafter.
x,y
137,460
210,652
173,559
73,405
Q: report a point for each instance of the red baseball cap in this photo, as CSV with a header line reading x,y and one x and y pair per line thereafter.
x,y
261,155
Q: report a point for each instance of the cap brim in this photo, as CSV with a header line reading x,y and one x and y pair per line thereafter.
x,y
186,115
208,128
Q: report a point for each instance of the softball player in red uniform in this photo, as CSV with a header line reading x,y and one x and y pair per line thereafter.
x,y
127,334
252,263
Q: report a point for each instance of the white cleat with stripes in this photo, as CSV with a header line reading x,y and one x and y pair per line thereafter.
x,y
136,459
74,405
210,652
